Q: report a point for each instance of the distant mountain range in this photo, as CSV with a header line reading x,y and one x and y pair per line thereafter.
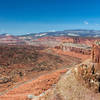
x,y
77,32
33,38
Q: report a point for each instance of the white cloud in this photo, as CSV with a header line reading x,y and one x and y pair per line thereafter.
x,y
27,33
52,31
97,24
86,22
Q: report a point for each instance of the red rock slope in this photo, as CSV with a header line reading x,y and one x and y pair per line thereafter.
x,y
35,87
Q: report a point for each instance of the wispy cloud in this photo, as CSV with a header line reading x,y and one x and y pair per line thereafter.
x,y
86,22
52,31
97,24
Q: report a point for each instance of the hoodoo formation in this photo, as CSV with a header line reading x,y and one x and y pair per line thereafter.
x,y
96,55
96,52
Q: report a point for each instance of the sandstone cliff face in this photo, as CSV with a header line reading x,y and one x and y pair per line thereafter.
x,y
95,53
74,47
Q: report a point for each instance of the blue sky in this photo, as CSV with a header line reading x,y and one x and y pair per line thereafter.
x,y
24,16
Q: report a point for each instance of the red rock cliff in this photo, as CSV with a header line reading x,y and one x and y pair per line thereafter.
x,y
96,53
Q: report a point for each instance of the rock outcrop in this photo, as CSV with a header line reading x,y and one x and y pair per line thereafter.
x,y
95,55
96,52
89,77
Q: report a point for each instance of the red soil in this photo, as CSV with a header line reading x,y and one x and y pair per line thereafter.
x,y
35,87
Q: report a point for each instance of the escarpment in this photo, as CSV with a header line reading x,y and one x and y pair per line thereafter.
x,y
73,47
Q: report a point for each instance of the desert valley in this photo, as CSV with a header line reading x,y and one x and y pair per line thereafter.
x,y
49,67
49,49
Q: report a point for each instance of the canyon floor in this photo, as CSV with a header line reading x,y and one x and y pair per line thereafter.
x,y
26,70
46,71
